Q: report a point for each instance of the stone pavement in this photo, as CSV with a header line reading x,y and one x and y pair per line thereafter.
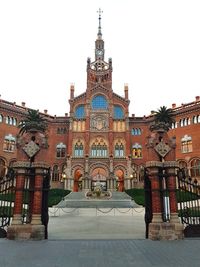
x,y
84,240
98,253
97,224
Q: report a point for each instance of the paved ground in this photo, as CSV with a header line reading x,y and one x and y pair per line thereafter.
x,y
98,224
78,240
98,253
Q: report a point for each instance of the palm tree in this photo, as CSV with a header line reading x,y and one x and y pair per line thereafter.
x,y
164,115
163,118
33,121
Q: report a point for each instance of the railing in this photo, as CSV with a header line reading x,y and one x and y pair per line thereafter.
x,y
7,194
189,204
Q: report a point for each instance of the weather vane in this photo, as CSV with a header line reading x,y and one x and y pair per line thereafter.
x,y
100,12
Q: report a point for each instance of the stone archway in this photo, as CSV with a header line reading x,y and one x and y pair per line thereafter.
x,y
78,176
119,174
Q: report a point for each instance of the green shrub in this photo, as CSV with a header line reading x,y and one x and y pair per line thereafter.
x,y
137,194
56,195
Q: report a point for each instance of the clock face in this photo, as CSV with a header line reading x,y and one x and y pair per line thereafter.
x,y
99,52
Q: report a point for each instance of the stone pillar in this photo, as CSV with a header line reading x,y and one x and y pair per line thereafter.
x,y
175,224
37,199
153,169
17,214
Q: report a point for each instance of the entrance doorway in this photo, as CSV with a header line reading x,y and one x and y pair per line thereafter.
x,y
119,174
78,181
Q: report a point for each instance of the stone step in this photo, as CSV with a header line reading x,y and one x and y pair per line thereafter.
x,y
78,200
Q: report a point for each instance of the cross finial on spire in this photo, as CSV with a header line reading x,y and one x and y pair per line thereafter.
x,y
99,28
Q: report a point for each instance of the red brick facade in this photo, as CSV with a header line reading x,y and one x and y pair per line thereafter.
x,y
98,140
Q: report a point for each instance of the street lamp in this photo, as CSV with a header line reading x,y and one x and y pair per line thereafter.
x,y
63,177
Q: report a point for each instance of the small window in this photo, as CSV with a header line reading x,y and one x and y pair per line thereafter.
x,y
7,120
119,150
60,150
78,149
136,151
14,121
186,144
136,131
1,118
9,143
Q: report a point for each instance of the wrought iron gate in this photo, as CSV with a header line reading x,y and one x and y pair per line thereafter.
x,y
148,202
7,198
7,195
45,193
189,204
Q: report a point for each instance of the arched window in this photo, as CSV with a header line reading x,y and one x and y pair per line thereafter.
x,y
195,119
99,148
136,151
80,112
181,122
7,120
55,173
78,149
186,144
9,143
60,150
11,121
14,121
136,131
118,112
119,150
99,102
1,118
133,131
195,168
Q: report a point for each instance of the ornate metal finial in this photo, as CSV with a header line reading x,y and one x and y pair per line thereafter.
x,y
99,28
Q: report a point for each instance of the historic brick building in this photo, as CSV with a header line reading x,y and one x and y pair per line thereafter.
x,y
98,140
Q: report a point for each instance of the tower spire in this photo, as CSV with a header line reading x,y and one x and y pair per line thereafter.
x,y
99,28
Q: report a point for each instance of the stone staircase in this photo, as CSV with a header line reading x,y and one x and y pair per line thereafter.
x,y
78,200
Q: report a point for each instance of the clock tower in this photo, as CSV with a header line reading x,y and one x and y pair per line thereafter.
x,y
99,44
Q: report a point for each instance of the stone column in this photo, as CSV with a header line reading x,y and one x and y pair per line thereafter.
x,y
37,199
176,225
20,180
153,169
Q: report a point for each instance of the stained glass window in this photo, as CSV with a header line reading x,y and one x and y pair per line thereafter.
x,y
99,102
80,112
118,112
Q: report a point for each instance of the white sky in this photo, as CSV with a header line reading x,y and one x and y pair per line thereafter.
x,y
154,45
